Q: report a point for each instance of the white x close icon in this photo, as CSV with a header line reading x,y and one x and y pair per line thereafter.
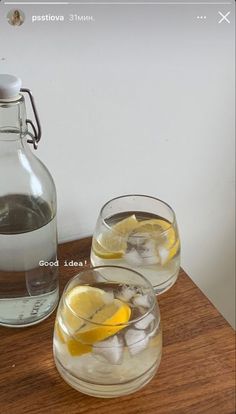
x,y
224,17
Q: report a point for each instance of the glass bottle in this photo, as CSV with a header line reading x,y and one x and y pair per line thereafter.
x,y
28,233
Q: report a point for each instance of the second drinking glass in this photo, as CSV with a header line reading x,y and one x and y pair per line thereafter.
x,y
139,232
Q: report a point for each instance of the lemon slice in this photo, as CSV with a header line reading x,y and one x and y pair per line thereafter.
x,y
59,333
125,226
85,300
89,303
112,244
113,318
75,348
81,302
156,227
107,253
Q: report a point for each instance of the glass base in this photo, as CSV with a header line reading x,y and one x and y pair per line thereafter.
x,y
107,391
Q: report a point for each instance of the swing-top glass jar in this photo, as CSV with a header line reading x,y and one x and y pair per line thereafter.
x,y
28,235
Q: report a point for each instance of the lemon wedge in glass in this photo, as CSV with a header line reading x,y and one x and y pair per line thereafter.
x,y
89,318
113,318
155,228
112,243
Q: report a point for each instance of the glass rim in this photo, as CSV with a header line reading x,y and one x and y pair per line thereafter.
x,y
129,323
172,223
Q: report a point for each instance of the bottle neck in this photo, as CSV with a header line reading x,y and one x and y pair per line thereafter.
x,y
13,125
11,147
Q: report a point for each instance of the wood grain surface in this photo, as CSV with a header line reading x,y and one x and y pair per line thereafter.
x,y
196,375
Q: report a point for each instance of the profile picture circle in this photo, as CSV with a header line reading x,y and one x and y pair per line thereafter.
x,y
15,17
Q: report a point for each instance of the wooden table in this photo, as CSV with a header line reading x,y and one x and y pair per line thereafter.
x,y
196,374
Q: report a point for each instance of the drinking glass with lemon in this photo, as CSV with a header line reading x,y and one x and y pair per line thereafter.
x,y
107,336
139,232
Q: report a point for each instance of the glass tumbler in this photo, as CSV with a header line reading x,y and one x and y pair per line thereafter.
x,y
139,232
107,336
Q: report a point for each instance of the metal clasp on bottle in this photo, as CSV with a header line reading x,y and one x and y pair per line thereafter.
x,y
37,132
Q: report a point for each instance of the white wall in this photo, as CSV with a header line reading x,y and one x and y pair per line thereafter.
x,y
140,101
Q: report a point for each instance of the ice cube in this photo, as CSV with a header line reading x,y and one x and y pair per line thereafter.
x,y
142,300
133,258
126,293
141,250
136,341
145,322
163,253
111,349
149,252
